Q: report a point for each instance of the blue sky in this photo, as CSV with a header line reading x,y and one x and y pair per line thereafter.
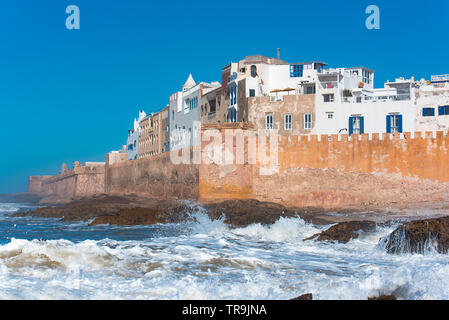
x,y
68,95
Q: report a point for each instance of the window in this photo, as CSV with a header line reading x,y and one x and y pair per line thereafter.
x,y
269,121
296,70
233,95
309,90
330,115
356,125
328,97
366,76
394,123
232,115
173,115
212,105
307,121
287,121
252,92
443,110
253,71
428,112
308,66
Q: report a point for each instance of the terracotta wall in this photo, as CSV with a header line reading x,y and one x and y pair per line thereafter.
x,y
335,171
153,176
295,105
35,183
81,181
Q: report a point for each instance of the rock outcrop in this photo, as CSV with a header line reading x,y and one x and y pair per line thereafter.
x,y
383,297
344,231
307,296
419,237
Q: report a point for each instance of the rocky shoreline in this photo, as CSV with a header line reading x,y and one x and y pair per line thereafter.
x,y
416,233
137,210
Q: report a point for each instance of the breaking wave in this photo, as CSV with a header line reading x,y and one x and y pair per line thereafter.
x,y
208,260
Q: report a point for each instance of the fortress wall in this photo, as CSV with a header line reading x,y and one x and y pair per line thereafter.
x,y
80,181
335,171
35,183
153,176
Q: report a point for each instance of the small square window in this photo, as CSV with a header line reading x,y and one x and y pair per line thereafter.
x,y
328,97
443,110
428,112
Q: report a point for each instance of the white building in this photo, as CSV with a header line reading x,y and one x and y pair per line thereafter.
x,y
256,76
132,143
404,105
185,112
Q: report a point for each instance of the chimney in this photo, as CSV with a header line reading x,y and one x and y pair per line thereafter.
x,y
279,54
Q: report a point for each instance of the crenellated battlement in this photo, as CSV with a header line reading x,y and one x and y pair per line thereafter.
x,y
408,155
79,181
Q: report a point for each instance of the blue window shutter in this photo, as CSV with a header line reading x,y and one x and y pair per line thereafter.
x,y
388,124
400,122
362,125
351,125
440,111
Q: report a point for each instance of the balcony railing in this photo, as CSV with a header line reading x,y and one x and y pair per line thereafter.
x,y
368,99
328,85
276,98
441,77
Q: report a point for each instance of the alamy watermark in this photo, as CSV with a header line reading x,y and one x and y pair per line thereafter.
x,y
373,20
231,146
73,20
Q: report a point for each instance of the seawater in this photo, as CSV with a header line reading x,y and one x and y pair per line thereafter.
x,y
204,259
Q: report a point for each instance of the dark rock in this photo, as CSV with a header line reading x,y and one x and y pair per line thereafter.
x,y
135,216
133,209
307,296
239,213
383,297
344,231
420,236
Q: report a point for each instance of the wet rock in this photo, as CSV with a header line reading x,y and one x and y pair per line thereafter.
x,y
383,297
134,216
134,209
239,213
84,209
344,231
307,296
420,236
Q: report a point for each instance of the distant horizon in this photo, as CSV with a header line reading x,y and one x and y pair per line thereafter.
x,y
72,95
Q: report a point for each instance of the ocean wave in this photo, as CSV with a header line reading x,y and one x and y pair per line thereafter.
x,y
207,259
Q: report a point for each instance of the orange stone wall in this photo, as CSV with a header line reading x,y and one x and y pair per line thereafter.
x,y
335,171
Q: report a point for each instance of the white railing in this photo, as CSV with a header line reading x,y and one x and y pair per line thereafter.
x,y
441,77
276,98
365,99
328,85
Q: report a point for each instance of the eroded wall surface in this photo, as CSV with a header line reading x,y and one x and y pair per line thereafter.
x,y
334,171
155,176
80,181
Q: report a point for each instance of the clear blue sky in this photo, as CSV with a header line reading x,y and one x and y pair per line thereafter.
x,y
68,95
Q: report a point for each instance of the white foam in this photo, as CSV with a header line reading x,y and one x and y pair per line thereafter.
x,y
217,262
